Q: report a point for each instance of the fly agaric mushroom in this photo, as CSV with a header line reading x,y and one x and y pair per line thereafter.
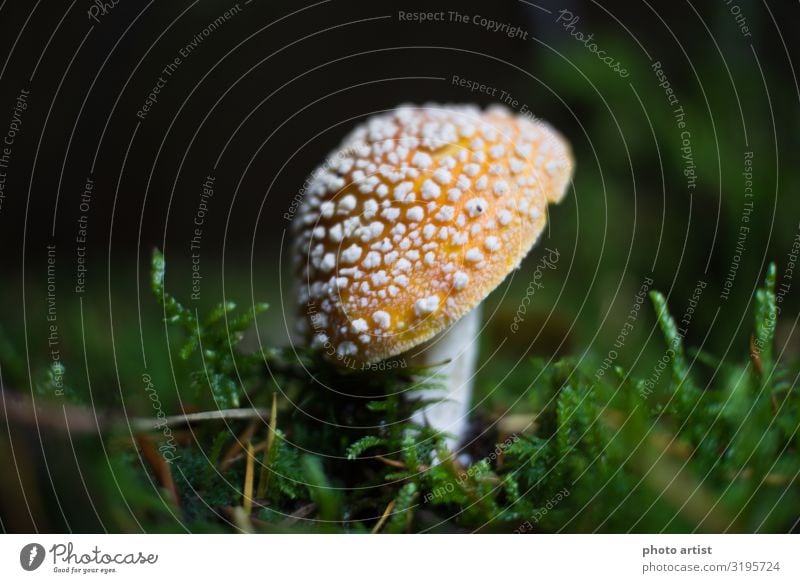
x,y
403,232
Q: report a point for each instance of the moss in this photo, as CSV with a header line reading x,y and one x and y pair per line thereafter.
x,y
334,451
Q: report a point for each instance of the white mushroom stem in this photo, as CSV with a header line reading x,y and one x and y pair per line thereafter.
x,y
457,349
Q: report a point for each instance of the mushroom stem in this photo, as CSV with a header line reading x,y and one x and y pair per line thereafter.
x,y
455,350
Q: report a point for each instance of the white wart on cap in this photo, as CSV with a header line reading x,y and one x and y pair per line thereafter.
x,y
418,216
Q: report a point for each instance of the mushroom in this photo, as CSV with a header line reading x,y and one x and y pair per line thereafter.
x,y
405,229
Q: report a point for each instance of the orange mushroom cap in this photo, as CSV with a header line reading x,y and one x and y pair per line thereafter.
x,y
419,215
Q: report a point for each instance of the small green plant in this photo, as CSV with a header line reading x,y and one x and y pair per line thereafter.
x,y
214,338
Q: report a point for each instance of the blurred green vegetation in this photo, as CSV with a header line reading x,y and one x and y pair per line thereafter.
x,y
707,442
672,455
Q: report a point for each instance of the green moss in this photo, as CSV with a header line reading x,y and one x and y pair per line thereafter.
x,y
604,456
612,453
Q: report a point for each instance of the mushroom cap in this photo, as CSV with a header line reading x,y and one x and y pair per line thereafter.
x,y
418,216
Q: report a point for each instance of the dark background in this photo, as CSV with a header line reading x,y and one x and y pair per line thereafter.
x,y
274,90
